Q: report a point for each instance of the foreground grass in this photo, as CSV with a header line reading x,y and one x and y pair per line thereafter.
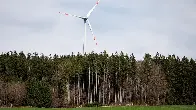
x,y
182,107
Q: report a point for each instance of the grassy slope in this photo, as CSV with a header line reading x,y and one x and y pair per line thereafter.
x,y
115,108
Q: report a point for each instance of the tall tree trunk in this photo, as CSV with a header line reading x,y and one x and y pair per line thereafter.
x,y
94,99
123,95
115,90
83,92
89,86
100,96
91,101
92,89
115,97
137,85
109,94
96,83
74,93
127,89
78,89
120,94
104,88
83,85
108,82
130,90
68,91
98,89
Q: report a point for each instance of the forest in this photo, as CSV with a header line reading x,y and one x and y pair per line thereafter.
x,y
95,78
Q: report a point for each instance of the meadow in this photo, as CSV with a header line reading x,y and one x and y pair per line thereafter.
x,y
179,107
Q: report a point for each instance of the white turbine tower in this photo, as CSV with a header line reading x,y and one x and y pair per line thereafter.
x,y
86,20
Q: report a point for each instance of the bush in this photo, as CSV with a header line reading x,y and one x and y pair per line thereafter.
x,y
39,94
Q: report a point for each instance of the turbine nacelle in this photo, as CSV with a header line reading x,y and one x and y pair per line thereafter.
x,y
85,19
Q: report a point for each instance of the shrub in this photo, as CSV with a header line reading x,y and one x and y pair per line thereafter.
x,y
39,94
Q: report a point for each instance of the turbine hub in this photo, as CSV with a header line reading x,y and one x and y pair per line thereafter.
x,y
84,19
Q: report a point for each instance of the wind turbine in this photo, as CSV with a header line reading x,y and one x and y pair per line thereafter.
x,y
86,20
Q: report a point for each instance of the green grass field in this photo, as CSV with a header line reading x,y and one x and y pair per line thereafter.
x,y
185,107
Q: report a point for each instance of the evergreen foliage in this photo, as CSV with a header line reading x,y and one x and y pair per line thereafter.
x,y
97,79
38,94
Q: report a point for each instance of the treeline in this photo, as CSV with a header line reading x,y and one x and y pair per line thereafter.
x,y
73,80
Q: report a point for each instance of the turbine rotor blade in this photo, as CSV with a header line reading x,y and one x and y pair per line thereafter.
x,y
89,13
94,38
67,14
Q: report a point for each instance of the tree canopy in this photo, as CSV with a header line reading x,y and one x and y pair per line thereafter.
x,y
74,80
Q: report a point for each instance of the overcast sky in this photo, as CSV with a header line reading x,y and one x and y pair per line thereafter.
x,y
131,26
